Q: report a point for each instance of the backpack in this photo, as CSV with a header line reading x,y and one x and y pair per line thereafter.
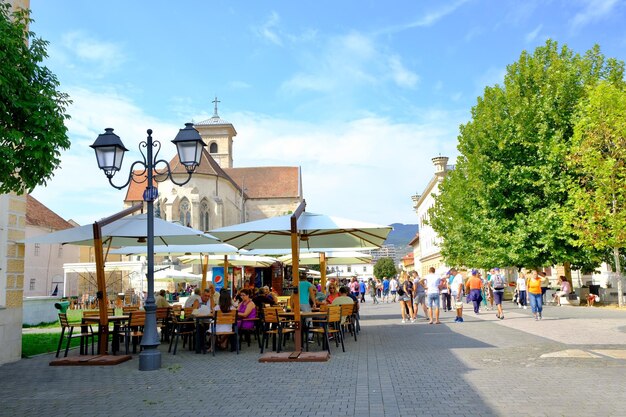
x,y
498,282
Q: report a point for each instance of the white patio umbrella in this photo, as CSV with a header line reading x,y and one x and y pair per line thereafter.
x,y
174,275
176,250
314,231
234,260
309,230
128,231
332,258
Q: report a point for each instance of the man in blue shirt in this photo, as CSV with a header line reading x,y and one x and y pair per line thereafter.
x,y
385,289
362,289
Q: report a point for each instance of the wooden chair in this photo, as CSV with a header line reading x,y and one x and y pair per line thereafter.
x,y
129,309
229,318
163,322
185,328
275,326
133,330
327,326
91,313
86,332
348,322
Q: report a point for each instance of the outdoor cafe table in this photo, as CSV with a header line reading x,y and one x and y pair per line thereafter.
x,y
117,322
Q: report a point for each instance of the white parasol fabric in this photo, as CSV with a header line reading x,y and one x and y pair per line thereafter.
x,y
128,231
332,258
176,250
233,260
173,275
315,231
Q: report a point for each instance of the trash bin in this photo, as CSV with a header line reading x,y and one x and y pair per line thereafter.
x,y
62,306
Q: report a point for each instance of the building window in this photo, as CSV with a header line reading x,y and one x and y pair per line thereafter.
x,y
349,269
37,247
184,213
204,216
213,147
32,284
364,269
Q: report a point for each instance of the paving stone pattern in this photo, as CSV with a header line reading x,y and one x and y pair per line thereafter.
x,y
482,367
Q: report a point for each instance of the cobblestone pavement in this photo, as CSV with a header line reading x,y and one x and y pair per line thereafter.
x,y
571,363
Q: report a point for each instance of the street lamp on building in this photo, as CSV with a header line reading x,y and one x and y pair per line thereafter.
x,y
110,153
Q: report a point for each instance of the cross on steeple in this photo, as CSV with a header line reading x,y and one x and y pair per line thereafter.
x,y
215,107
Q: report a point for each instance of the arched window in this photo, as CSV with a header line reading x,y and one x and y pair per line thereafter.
x,y
204,216
213,147
184,212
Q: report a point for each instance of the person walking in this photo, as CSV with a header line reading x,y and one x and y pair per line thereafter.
x,y
393,288
545,283
457,292
433,283
385,290
420,294
354,287
444,291
534,294
521,292
498,284
371,284
362,288
405,297
473,287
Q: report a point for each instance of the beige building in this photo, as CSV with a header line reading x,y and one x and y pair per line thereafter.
x,y
43,272
219,194
429,254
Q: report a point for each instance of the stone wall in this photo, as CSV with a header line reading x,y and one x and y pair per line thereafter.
x,y
12,231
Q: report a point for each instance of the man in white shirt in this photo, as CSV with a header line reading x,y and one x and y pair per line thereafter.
x,y
432,295
393,287
456,291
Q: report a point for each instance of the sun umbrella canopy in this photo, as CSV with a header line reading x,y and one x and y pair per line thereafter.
x,y
332,258
176,250
174,275
233,260
128,231
315,230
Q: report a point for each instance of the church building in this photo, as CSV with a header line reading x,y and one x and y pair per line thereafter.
x,y
218,193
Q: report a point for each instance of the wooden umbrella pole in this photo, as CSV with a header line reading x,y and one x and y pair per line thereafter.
x,y
227,281
205,266
295,272
323,271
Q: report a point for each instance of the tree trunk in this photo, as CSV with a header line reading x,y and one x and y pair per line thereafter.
x,y
618,271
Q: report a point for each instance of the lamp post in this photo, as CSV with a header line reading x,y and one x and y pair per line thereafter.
x,y
110,153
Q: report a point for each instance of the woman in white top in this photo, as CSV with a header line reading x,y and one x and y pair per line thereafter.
x,y
225,305
521,292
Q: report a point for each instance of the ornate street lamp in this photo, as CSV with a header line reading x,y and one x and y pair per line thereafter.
x,y
110,153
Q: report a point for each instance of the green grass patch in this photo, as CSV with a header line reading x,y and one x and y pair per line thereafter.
x,y
38,343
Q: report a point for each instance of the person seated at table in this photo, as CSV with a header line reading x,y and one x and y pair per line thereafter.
x,y
566,288
332,293
194,300
209,297
273,294
246,312
161,301
263,297
224,305
343,297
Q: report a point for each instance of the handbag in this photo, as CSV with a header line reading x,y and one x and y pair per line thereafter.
x,y
400,291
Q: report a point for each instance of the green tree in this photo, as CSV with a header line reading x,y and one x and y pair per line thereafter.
x,y
385,267
598,160
32,110
504,204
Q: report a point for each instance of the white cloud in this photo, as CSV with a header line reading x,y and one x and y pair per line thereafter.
x,y
428,19
490,78
268,30
401,75
107,56
593,11
531,36
349,61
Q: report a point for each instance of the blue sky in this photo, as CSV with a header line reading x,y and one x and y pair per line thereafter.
x,y
360,94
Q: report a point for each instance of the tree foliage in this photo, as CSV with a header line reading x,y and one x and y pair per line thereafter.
x,y
32,110
598,161
385,267
507,199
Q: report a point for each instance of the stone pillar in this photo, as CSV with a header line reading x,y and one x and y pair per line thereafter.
x,y
12,231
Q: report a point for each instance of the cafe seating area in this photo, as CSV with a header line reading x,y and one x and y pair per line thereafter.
x,y
182,328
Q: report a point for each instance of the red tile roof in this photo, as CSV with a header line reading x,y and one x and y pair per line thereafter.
x,y
39,215
267,182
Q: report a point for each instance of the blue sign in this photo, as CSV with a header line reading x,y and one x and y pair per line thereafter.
x,y
150,194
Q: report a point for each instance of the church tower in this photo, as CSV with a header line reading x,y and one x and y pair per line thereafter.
x,y
218,134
